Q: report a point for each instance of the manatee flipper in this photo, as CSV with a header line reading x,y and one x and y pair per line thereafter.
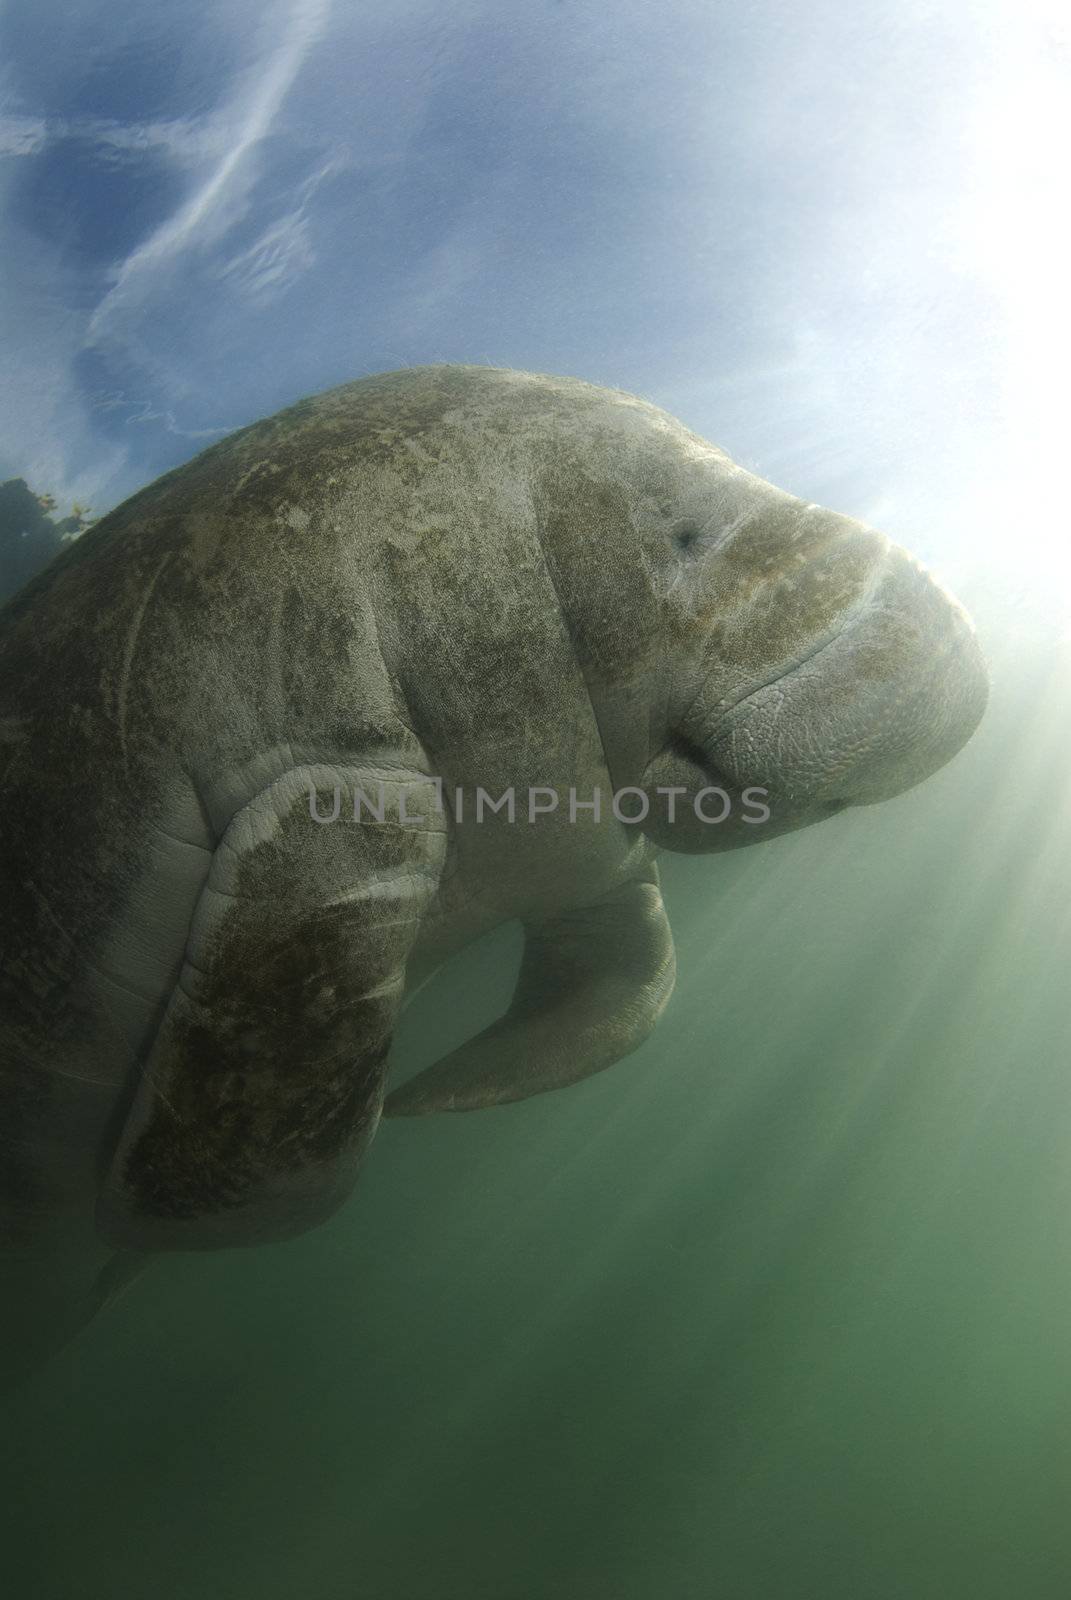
x,y
592,984
264,1084
48,1298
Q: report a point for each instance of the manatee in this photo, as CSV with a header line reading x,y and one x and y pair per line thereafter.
x,y
390,599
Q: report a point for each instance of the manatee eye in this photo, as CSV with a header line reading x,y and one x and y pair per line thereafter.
x,y
686,536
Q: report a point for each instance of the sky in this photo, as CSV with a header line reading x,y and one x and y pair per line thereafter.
x,y
831,238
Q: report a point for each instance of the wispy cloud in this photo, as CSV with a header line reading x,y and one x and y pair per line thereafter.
x,y
283,251
22,136
184,139
142,411
219,201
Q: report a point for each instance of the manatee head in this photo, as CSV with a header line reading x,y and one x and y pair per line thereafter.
x,y
815,660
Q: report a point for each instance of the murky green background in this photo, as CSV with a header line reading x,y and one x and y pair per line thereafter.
x,y
777,1308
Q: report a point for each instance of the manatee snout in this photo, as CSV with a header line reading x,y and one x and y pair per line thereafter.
x,y
868,709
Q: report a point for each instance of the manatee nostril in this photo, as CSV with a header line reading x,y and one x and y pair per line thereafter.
x,y
686,536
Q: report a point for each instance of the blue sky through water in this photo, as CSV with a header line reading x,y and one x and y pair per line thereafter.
x,y
830,238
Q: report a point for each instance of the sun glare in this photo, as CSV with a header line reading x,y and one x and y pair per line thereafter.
x,y
1016,235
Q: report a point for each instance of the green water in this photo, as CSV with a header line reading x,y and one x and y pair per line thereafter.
x,y
777,1308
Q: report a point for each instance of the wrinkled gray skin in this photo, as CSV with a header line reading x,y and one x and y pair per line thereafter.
x,y
484,576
